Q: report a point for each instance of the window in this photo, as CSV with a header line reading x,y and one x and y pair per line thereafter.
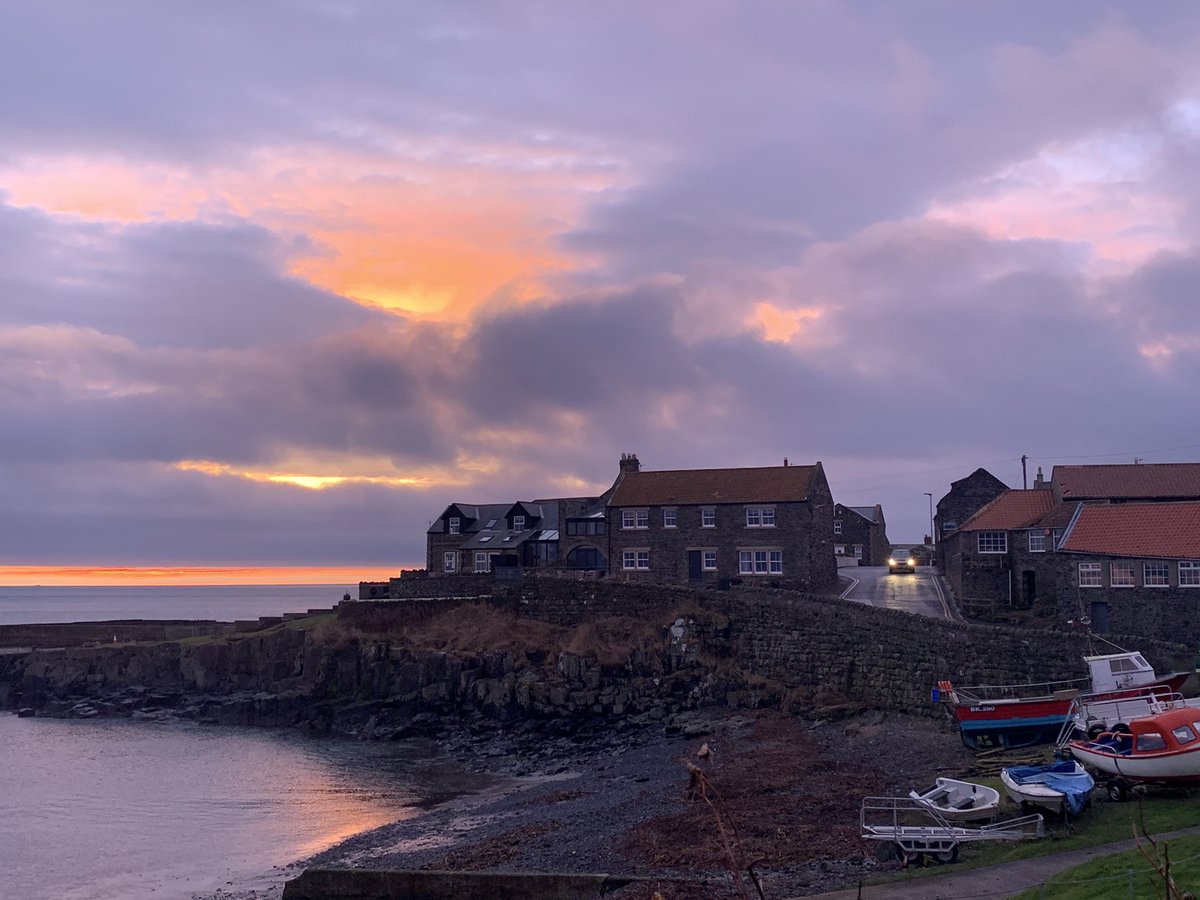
x,y
1148,742
1189,574
708,517
483,562
949,524
710,560
1120,574
490,525
837,526
1089,575
760,517
1184,735
485,539
455,524
518,523
993,541
1156,574
858,551
670,517
760,562
589,527
635,518
635,559
1037,541
839,549
1055,537
450,561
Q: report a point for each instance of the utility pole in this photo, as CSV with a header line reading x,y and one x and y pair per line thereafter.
x,y
932,536
1024,475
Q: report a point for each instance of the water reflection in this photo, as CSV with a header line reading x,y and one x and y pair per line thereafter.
x,y
134,809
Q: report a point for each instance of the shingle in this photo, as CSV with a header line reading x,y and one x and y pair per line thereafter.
x,y
1157,530
694,486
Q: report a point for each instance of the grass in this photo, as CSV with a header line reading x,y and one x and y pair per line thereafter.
x,y
1109,876
1164,809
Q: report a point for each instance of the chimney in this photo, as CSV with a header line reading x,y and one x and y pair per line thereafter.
x,y
1038,481
785,462
629,463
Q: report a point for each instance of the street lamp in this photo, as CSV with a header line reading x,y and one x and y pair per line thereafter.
x,y
932,537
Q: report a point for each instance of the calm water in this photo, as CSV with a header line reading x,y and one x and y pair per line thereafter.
x,y
225,603
121,809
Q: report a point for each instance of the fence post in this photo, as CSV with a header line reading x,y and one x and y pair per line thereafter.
x,y
1129,873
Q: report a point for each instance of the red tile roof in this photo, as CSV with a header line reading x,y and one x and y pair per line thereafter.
x,y
768,484
1012,509
1144,481
1158,530
1059,516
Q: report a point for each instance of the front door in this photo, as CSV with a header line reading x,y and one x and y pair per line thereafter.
x,y
694,563
1100,617
1029,587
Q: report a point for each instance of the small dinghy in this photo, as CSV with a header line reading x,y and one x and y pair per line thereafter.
x,y
960,801
1062,787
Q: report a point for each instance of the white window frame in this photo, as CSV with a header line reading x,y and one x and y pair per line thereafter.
x,y
1166,574
1127,578
1055,537
1000,546
858,551
455,525
670,517
839,549
760,517
708,560
518,523
708,517
450,561
760,561
635,519
1094,577
1037,541
635,559
1193,569
837,526
483,562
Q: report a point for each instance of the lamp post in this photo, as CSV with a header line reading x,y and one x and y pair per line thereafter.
x,y
932,537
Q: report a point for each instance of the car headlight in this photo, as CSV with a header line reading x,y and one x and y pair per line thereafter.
x,y
891,561
912,561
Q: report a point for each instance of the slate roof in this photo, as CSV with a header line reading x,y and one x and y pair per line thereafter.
x,y
478,515
1143,481
1012,509
768,484
1156,530
867,512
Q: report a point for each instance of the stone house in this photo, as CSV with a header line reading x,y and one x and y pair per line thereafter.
x,y
472,538
722,525
1112,544
965,498
861,532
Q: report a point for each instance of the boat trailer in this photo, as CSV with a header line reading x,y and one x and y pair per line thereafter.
x,y
918,830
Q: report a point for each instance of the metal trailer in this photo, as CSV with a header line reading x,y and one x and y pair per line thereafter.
x,y
918,830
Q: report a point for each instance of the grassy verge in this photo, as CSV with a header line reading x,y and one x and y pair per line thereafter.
x,y
1123,875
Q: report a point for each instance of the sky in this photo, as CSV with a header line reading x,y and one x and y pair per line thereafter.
x,y
281,280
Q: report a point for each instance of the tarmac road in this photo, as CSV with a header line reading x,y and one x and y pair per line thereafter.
x,y
922,592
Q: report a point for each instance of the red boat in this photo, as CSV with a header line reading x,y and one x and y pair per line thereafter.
x,y
1021,715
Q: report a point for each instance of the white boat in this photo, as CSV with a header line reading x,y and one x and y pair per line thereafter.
x,y
1089,718
1058,788
1162,747
960,801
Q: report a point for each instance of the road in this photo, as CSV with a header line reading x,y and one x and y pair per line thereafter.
x,y
922,592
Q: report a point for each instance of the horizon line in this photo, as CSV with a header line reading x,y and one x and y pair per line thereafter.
x,y
191,576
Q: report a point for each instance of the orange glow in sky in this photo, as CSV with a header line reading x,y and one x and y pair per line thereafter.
x,y
65,576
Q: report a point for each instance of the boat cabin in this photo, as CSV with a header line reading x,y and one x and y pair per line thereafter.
x,y
1119,671
1172,731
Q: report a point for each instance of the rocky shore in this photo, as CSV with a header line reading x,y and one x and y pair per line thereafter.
x,y
617,800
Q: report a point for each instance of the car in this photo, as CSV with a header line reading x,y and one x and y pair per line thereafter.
x,y
901,560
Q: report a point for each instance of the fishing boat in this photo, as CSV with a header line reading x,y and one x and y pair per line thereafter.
x,y
1062,788
1088,718
1164,747
1026,714
960,801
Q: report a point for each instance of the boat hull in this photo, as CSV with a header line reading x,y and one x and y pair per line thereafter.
x,y
1177,766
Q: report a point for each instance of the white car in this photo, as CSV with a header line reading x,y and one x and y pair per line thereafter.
x,y
901,560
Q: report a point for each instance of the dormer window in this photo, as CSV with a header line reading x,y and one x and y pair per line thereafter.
x,y
518,523
455,524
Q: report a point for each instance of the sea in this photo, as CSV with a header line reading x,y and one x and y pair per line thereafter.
x,y
123,810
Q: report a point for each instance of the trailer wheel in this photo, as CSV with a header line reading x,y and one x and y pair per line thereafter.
x,y
1118,790
949,855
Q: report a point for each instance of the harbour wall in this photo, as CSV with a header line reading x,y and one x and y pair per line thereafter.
x,y
744,648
